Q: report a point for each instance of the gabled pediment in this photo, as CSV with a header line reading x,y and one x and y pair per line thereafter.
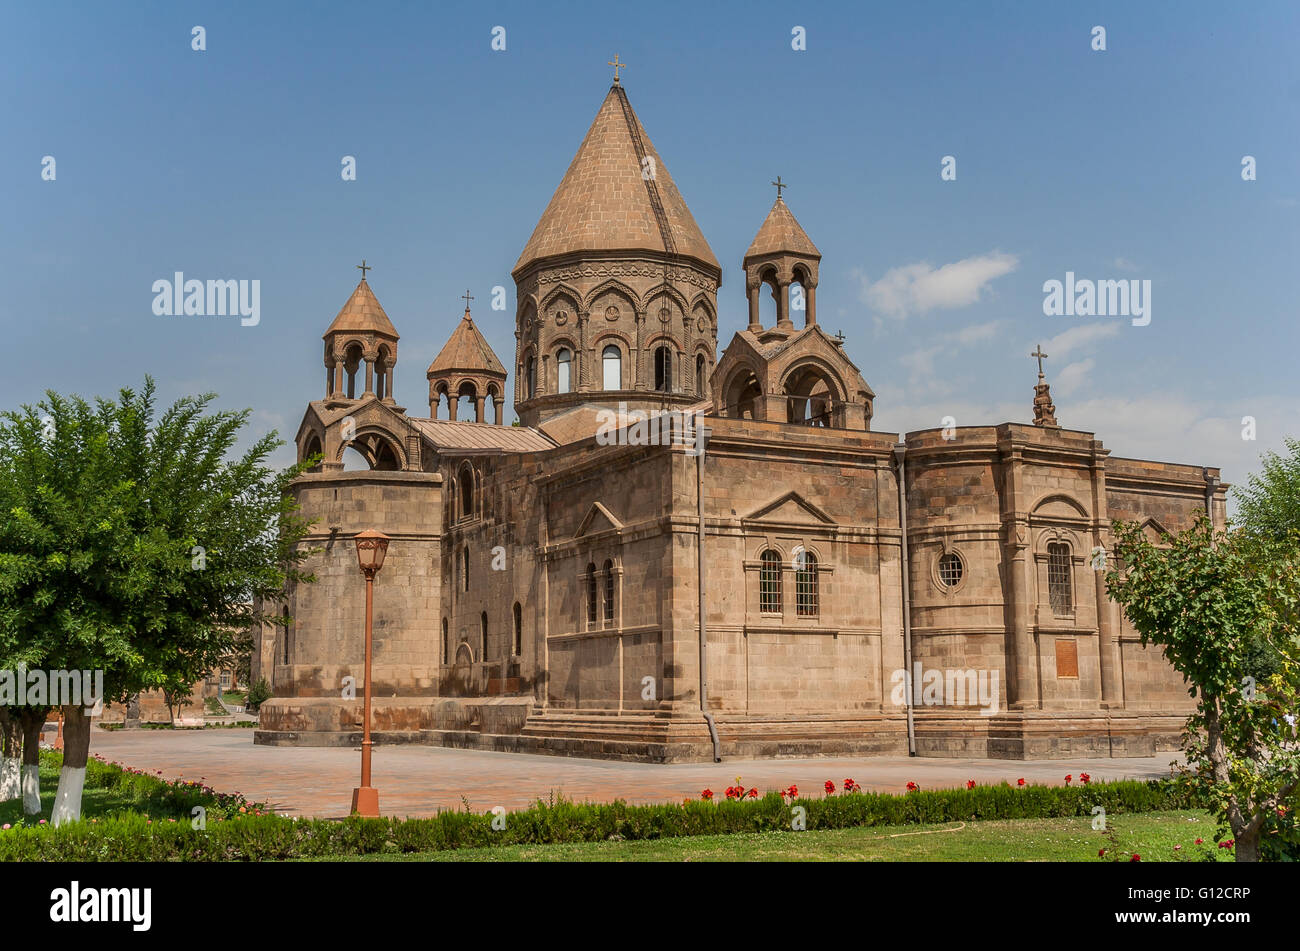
x,y
1155,532
790,509
1059,506
598,519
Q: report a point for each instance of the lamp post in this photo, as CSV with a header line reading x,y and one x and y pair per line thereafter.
x,y
371,548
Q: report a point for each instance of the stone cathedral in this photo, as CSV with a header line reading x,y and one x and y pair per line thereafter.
x,y
770,578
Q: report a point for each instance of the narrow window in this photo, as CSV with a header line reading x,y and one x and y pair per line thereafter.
x,y
1059,589
445,645
284,632
591,593
612,360
466,492
464,568
699,375
482,627
519,630
805,585
530,387
769,583
563,359
609,590
663,369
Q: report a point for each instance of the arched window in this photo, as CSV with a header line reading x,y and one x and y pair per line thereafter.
x,y
591,593
769,583
612,365
466,479
464,568
482,629
563,361
699,375
519,630
446,645
663,369
530,378
1059,588
609,590
805,585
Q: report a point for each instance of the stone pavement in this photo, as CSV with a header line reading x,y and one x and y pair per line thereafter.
x,y
420,780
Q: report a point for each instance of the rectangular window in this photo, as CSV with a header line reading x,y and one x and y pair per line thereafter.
x,y
1059,590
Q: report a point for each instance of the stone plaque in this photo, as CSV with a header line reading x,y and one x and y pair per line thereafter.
x,y
1067,658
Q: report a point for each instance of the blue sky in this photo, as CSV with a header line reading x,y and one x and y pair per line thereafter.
x,y
225,163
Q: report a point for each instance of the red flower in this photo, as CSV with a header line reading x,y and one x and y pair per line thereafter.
x,y
1020,782
792,792
707,794
911,786
1084,778
1100,853
970,784
1135,858
830,788
753,794
1068,778
1199,841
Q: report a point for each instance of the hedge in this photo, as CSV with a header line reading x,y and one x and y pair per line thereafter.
x,y
252,838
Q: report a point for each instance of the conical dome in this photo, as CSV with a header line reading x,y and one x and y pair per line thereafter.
x,y
466,351
363,314
781,233
616,196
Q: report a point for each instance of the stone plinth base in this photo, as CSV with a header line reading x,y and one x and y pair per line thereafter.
x,y
1040,735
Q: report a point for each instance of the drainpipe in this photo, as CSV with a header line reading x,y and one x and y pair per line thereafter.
x,y
1211,486
900,452
702,434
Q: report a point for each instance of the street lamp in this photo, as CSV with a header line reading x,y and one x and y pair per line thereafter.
x,y
372,546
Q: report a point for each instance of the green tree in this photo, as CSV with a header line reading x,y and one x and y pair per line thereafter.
x,y
1210,601
1268,505
134,545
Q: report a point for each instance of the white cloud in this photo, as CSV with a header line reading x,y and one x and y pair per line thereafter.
x,y
921,287
1077,338
1073,377
977,333
1124,264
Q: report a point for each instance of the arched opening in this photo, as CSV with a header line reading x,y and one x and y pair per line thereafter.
x,y
383,364
699,374
465,478
591,593
492,405
466,401
563,365
1060,589
611,359
352,363
519,630
446,643
807,596
769,583
313,448
442,409
609,590
798,299
483,638
743,395
810,398
663,369
767,305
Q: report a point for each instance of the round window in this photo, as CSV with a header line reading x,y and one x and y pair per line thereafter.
x,y
950,569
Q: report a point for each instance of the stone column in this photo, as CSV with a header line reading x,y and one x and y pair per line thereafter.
x,y
499,406
388,382
752,291
478,407
1112,694
370,377
782,295
453,403
581,378
810,305
635,357
1021,678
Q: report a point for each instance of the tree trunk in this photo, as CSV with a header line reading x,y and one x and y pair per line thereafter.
x,y
10,764
1247,849
72,778
33,723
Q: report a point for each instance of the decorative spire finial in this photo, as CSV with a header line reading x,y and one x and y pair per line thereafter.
x,y
1044,408
617,66
779,185
364,267
468,298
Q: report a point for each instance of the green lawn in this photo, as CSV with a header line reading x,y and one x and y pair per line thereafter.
x,y
95,803
1152,835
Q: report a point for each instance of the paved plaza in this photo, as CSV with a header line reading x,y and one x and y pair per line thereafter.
x,y
420,780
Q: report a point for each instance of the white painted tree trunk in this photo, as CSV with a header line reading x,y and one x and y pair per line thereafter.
x,y
10,785
67,800
31,790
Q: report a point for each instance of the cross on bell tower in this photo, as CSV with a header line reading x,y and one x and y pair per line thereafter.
x,y
1044,408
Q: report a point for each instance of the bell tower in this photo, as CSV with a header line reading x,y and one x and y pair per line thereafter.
x,y
360,349
780,257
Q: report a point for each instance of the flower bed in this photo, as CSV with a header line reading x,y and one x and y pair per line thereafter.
x,y
268,837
